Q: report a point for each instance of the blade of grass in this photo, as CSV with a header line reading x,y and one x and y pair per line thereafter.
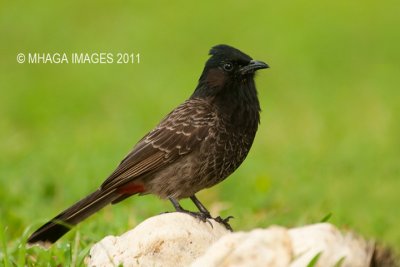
x,y
314,260
326,217
3,241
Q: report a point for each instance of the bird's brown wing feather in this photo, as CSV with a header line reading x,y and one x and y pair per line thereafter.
x,y
177,135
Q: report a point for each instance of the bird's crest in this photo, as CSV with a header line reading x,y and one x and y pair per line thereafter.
x,y
229,52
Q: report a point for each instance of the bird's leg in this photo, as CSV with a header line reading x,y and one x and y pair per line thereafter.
x,y
199,215
176,205
200,206
206,213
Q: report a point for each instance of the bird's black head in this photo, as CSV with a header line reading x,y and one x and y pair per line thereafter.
x,y
226,71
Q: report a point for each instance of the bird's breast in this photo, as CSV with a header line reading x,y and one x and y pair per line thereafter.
x,y
226,147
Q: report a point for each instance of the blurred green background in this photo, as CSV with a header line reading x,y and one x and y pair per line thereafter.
x,y
329,140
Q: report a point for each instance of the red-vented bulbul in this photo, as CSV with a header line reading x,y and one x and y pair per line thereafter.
x,y
197,145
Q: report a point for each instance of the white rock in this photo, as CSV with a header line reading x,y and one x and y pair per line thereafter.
x,y
176,239
170,239
333,246
269,247
277,246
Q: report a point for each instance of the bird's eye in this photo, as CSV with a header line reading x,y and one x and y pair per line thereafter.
x,y
228,66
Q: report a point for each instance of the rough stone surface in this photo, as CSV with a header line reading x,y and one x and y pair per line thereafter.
x,y
277,246
333,246
176,239
260,247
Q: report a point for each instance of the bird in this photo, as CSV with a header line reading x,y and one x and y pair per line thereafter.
x,y
196,146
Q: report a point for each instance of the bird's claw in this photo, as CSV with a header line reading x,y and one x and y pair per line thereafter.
x,y
224,222
206,217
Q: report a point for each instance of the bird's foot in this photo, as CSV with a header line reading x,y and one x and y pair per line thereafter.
x,y
224,222
204,217
203,214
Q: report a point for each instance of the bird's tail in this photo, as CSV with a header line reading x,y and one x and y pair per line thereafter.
x,y
51,231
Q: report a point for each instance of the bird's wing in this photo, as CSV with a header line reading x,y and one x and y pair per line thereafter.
x,y
177,135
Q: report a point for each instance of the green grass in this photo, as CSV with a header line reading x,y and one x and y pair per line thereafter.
x,y
329,140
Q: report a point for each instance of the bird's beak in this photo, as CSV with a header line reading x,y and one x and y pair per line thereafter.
x,y
253,66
